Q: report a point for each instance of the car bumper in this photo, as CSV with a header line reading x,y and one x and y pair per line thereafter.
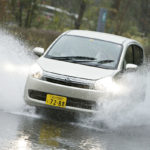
x,y
72,93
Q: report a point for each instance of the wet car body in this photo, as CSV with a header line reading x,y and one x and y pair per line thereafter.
x,y
77,82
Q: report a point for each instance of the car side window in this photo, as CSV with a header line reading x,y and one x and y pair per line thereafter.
x,y
129,59
138,55
134,55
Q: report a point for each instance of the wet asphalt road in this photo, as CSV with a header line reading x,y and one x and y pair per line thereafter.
x,y
18,132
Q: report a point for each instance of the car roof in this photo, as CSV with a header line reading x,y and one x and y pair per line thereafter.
x,y
99,35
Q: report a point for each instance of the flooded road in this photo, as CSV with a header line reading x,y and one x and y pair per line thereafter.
x,y
19,132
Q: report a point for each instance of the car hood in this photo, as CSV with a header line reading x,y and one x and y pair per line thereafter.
x,y
73,69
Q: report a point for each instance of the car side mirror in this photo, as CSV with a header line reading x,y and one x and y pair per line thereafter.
x,y
39,51
131,67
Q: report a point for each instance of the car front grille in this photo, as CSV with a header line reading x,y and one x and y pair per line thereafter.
x,y
67,83
68,80
73,102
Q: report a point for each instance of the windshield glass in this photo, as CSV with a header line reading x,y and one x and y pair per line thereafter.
x,y
86,51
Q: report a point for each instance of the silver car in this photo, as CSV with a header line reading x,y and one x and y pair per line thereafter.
x,y
78,68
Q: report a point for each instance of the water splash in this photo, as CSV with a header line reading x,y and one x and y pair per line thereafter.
x,y
130,108
15,60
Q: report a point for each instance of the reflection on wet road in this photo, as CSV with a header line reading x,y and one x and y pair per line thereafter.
x,y
27,133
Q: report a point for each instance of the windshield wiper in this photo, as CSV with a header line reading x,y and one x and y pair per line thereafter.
x,y
105,61
59,58
72,58
81,59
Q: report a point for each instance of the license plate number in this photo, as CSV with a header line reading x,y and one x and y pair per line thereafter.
x,y
55,100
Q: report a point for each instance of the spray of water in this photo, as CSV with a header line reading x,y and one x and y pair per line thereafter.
x,y
15,59
130,108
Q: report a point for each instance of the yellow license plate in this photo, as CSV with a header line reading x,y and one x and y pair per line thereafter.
x,y
57,101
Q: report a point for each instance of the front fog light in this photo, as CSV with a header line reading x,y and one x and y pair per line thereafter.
x,y
36,71
108,85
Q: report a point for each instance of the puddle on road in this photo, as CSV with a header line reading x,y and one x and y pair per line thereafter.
x,y
15,60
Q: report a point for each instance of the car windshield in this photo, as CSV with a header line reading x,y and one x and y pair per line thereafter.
x,y
86,51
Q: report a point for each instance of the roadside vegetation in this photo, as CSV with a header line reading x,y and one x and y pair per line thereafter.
x,y
39,22
35,37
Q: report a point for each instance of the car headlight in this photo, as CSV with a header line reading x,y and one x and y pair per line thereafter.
x,y
108,85
36,71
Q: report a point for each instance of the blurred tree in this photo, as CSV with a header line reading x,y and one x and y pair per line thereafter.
x,y
31,8
144,17
24,11
69,5
3,10
125,17
82,8
20,12
119,15
77,7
